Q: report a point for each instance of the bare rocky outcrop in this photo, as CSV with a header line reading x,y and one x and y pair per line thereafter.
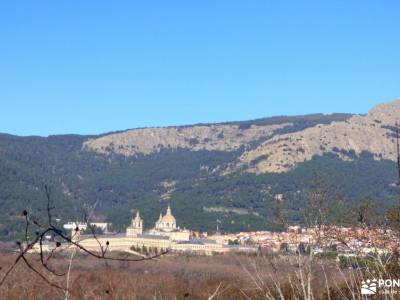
x,y
195,138
275,152
372,133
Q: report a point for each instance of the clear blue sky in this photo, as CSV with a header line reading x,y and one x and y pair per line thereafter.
x,y
98,66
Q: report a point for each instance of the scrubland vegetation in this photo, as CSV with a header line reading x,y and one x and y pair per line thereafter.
x,y
195,277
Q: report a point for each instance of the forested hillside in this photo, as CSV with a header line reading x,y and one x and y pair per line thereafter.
x,y
195,182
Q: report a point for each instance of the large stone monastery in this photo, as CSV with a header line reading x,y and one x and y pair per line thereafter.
x,y
165,235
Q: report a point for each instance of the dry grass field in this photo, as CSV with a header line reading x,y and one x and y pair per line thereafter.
x,y
183,277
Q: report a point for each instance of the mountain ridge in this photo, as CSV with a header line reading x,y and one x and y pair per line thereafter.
x,y
212,179
267,146
203,136
371,133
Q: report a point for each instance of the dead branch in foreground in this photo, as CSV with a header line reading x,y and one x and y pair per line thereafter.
x,y
49,228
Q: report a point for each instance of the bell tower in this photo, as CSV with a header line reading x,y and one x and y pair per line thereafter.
x,y
136,226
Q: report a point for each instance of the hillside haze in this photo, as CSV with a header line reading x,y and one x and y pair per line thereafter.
x,y
228,171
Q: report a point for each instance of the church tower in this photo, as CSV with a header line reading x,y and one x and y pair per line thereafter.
x,y
136,226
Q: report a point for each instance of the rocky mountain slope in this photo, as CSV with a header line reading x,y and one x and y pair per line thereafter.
x,y
195,138
267,147
372,133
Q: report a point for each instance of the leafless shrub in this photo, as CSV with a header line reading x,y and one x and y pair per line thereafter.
x,y
46,258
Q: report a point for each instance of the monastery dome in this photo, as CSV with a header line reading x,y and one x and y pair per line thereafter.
x,y
169,219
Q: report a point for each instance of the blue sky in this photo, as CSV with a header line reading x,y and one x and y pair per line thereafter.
x,y
98,66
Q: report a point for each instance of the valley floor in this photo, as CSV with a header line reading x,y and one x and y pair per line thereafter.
x,y
186,277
